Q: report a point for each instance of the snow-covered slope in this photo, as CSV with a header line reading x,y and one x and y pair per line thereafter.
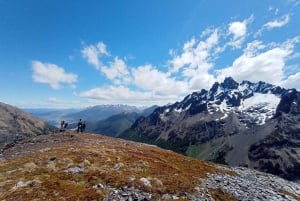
x,y
260,107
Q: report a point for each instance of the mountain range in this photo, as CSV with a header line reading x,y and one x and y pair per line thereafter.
x,y
255,125
113,125
108,120
64,165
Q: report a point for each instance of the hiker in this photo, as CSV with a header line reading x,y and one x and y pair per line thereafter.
x,y
62,124
66,125
79,126
83,126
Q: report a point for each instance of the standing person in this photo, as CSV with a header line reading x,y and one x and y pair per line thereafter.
x,y
62,124
66,125
83,126
79,126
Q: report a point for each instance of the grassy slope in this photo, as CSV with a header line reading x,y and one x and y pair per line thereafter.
x,y
40,168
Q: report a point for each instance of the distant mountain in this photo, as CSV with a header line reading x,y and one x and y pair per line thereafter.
x,y
256,125
100,112
70,166
113,125
14,122
90,114
147,111
52,116
109,120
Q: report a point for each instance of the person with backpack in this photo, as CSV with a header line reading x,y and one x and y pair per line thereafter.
x,y
83,126
79,126
62,124
66,125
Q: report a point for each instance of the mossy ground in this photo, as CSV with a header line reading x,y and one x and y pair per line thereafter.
x,y
41,168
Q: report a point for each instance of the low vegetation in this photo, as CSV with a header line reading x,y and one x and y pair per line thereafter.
x,y
73,166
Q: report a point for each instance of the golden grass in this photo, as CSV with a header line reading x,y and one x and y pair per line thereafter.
x,y
44,174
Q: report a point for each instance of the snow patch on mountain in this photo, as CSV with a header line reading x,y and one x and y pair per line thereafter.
x,y
260,107
265,99
251,102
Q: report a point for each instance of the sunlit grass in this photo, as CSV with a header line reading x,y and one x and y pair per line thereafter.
x,y
47,175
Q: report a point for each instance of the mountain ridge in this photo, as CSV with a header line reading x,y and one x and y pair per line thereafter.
x,y
228,124
15,121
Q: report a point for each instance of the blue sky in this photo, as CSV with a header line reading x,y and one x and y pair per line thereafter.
x,y
66,54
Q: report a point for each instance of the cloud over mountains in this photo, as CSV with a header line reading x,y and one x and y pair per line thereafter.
x,y
197,65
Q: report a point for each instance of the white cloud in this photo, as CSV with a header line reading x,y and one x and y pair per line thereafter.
x,y
193,66
195,54
124,95
196,59
116,70
277,23
102,48
265,62
238,30
199,79
267,66
254,48
51,74
185,58
93,52
293,81
149,78
112,93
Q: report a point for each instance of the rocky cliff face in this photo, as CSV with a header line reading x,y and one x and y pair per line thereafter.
x,y
70,166
241,124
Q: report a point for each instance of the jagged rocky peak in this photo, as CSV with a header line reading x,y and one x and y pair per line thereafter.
x,y
193,98
229,83
251,102
214,88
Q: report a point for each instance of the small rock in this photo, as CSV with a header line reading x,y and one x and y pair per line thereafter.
x,y
22,184
52,158
145,181
45,149
166,197
118,166
76,170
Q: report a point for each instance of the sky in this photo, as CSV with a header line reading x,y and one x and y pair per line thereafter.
x,y
80,53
